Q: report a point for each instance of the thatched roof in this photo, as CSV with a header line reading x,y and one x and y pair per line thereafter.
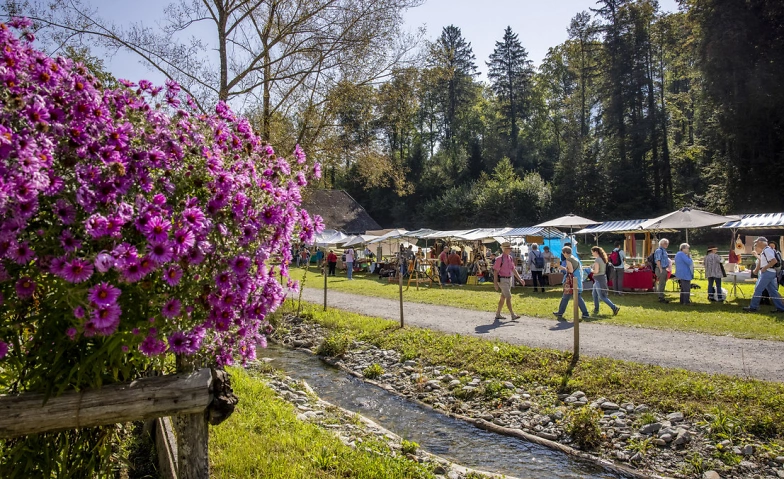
x,y
339,210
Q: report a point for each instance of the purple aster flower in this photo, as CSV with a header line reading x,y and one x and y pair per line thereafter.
x,y
223,280
25,287
157,229
21,253
105,316
77,271
179,343
240,265
195,256
172,308
68,242
172,275
95,226
161,252
184,239
133,272
104,262
147,265
3,349
152,346
317,171
299,154
79,312
65,212
272,215
71,333
103,294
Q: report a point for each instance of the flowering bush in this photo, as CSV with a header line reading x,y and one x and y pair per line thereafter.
x,y
131,225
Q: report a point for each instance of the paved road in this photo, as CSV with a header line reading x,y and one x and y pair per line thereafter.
x,y
694,351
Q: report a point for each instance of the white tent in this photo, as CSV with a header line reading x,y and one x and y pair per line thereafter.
x,y
329,237
358,240
570,221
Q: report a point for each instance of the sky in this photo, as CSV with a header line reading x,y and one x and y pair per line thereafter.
x,y
540,24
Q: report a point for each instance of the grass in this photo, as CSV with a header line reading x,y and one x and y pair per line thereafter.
x,y
639,310
264,439
757,406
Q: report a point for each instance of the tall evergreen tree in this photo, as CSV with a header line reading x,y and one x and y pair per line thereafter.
x,y
510,75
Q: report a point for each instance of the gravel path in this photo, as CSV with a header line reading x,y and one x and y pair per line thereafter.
x,y
694,351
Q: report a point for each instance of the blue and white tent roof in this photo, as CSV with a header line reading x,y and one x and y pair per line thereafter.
x,y
756,221
533,231
623,226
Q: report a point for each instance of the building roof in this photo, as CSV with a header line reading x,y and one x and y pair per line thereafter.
x,y
339,211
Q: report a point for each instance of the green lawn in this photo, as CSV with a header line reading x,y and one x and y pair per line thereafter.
x,y
756,406
264,439
642,310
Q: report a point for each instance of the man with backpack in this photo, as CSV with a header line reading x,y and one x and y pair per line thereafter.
x,y
536,266
617,259
766,277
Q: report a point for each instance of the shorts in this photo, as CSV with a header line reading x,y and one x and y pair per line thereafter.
x,y
506,287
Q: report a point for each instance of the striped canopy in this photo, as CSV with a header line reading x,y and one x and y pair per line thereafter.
x,y
624,226
757,221
533,231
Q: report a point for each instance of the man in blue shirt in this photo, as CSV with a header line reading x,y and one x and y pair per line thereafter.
x,y
663,266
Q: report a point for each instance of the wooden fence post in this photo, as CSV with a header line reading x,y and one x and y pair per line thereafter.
x,y
326,273
193,434
400,286
575,292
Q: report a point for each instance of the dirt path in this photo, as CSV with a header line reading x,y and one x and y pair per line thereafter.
x,y
694,351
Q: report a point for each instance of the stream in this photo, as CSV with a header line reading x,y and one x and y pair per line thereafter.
x,y
436,433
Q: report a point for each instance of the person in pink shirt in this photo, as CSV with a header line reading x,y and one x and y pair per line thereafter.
x,y
505,272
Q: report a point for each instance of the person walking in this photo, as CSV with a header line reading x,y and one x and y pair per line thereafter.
x,y
332,262
618,260
350,264
684,270
453,269
714,272
766,277
536,266
663,267
600,290
574,268
443,260
505,273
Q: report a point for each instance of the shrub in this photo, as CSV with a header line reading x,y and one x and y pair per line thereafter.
x,y
409,447
334,345
373,371
132,225
582,425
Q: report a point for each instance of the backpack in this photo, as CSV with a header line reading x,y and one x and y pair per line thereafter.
x,y
538,260
651,260
610,271
615,258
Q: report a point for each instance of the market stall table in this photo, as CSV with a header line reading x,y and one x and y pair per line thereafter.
x,y
640,279
740,276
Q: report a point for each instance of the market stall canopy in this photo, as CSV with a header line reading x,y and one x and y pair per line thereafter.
x,y
485,234
531,231
329,237
766,221
450,235
568,221
359,239
394,234
686,218
624,226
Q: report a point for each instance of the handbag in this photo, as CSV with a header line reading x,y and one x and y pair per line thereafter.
x,y
723,271
568,285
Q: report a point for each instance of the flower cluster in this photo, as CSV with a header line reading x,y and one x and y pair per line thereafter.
x,y
128,212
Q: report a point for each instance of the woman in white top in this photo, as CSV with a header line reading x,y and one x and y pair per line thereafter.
x,y
599,269
350,263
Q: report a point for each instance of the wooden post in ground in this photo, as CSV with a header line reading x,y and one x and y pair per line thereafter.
x,y
400,286
575,292
326,273
192,433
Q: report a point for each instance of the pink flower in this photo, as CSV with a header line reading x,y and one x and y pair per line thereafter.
x,y
79,312
172,275
25,287
104,262
21,253
172,308
3,349
103,294
105,316
157,229
77,271
71,333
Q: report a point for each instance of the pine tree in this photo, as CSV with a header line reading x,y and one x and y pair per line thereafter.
x,y
510,75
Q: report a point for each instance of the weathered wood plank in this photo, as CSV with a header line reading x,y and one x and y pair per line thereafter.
x,y
147,398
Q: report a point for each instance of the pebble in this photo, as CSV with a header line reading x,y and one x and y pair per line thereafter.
x,y
711,475
748,465
779,460
547,435
650,428
682,438
748,450
675,417
641,408
611,406
454,383
508,385
667,438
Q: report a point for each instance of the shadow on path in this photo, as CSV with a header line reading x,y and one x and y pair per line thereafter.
x,y
486,328
562,325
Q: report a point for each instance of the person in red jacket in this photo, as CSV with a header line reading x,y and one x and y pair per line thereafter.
x,y
332,261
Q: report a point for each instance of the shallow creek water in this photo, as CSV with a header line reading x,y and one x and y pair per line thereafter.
x,y
450,438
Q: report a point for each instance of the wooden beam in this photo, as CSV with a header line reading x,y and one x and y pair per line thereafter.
x,y
147,398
